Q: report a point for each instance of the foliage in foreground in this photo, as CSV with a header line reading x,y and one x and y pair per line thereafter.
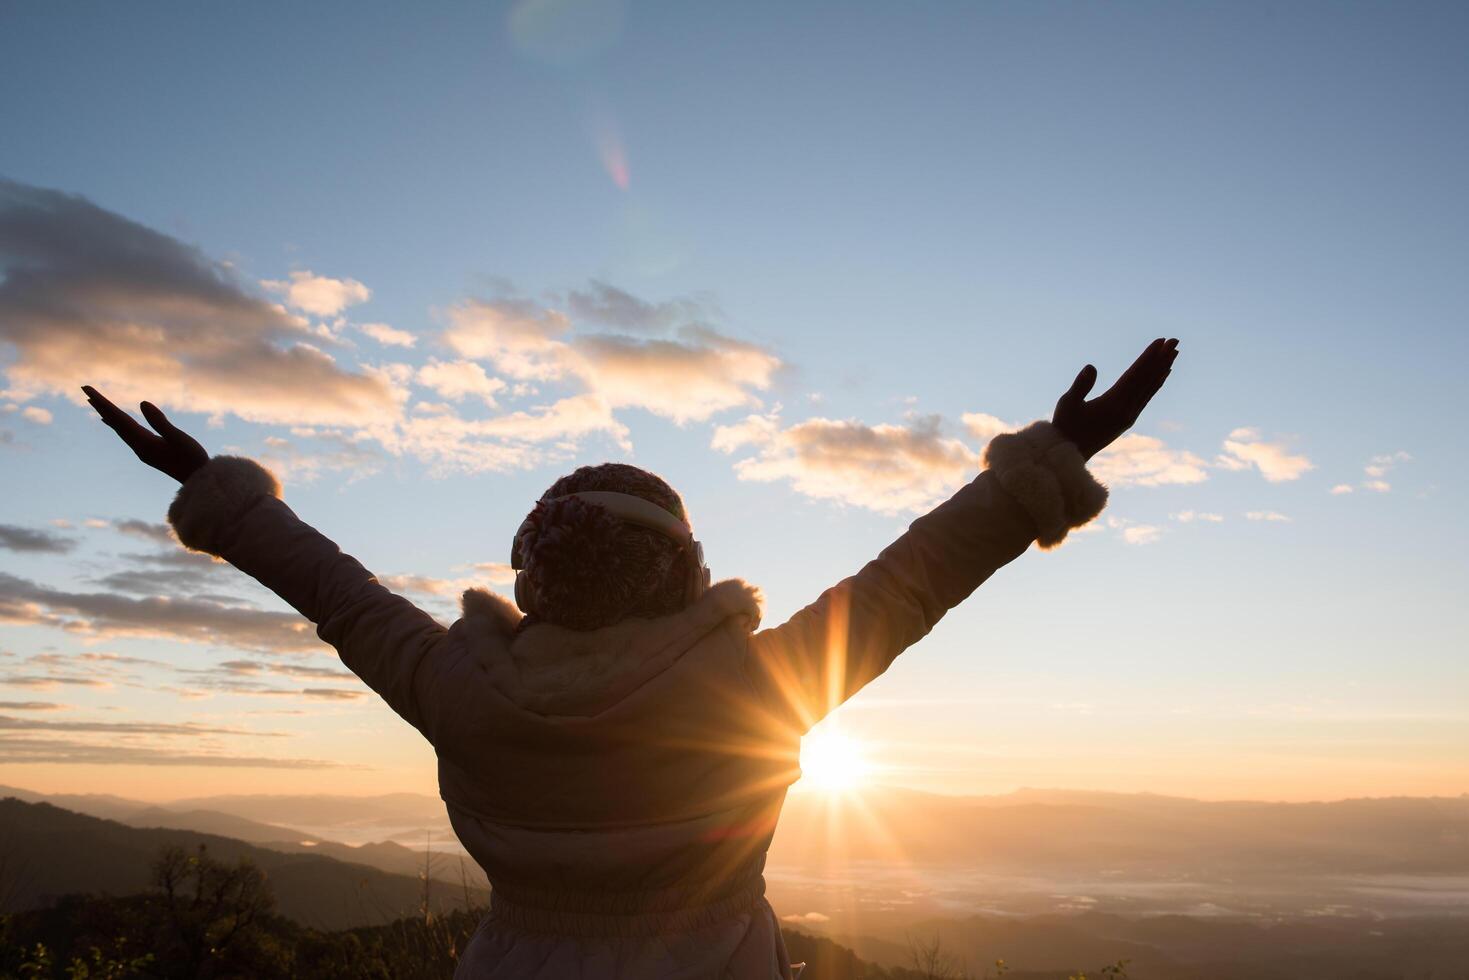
x,y
206,919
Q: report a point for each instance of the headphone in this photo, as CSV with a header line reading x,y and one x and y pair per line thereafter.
x,y
629,509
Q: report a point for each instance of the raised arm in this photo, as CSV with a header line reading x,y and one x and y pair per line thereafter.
x,y
231,508
1035,487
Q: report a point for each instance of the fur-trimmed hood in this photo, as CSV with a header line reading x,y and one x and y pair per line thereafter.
x,y
553,670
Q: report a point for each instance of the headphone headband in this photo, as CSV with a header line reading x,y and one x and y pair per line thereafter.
x,y
625,507
635,510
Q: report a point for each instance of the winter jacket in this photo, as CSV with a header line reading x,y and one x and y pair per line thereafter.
x,y
620,786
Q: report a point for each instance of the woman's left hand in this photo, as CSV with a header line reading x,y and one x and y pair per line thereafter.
x,y
1093,425
171,450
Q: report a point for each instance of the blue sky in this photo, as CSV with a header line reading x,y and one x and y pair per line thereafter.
x,y
884,216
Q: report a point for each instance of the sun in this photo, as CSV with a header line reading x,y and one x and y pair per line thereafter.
x,y
833,762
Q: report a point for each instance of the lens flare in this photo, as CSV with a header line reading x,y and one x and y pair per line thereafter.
x,y
833,762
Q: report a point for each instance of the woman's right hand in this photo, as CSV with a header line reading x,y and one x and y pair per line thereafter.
x,y
172,450
1093,425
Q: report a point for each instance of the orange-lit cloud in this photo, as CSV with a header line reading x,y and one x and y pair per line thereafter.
x,y
388,336
1246,448
319,295
1146,461
90,295
887,468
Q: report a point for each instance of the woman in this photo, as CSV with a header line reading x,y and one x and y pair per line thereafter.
x,y
615,752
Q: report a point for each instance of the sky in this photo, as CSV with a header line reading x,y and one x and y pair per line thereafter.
x,y
802,260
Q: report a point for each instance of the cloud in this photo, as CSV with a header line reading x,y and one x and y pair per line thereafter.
x,y
521,339
319,295
89,294
327,452
158,533
1245,448
1146,461
498,572
886,468
188,620
191,729
49,681
32,706
1189,516
805,917
210,686
1266,515
388,336
1141,533
16,538
686,377
514,440
168,574
1378,467
985,427
1341,488
36,414
609,306
15,751
456,380
251,668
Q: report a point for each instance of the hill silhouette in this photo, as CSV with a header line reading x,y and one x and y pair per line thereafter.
x,y
50,852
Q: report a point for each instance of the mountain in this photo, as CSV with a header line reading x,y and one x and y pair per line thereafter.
x,y
93,804
48,851
450,867
1041,831
213,822
388,809
447,863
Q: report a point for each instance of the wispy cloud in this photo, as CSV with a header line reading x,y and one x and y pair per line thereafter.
x,y
191,620
1378,467
607,306
16,538
31,750
189,729
148,530
314,452
1267,515
1190,516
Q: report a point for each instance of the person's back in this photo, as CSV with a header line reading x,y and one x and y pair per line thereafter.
x,y
616,758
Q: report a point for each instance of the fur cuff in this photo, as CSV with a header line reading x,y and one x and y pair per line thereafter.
x,y
1044,471
216,496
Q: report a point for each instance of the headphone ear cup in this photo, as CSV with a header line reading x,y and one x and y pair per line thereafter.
x,y
524,594
698,582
